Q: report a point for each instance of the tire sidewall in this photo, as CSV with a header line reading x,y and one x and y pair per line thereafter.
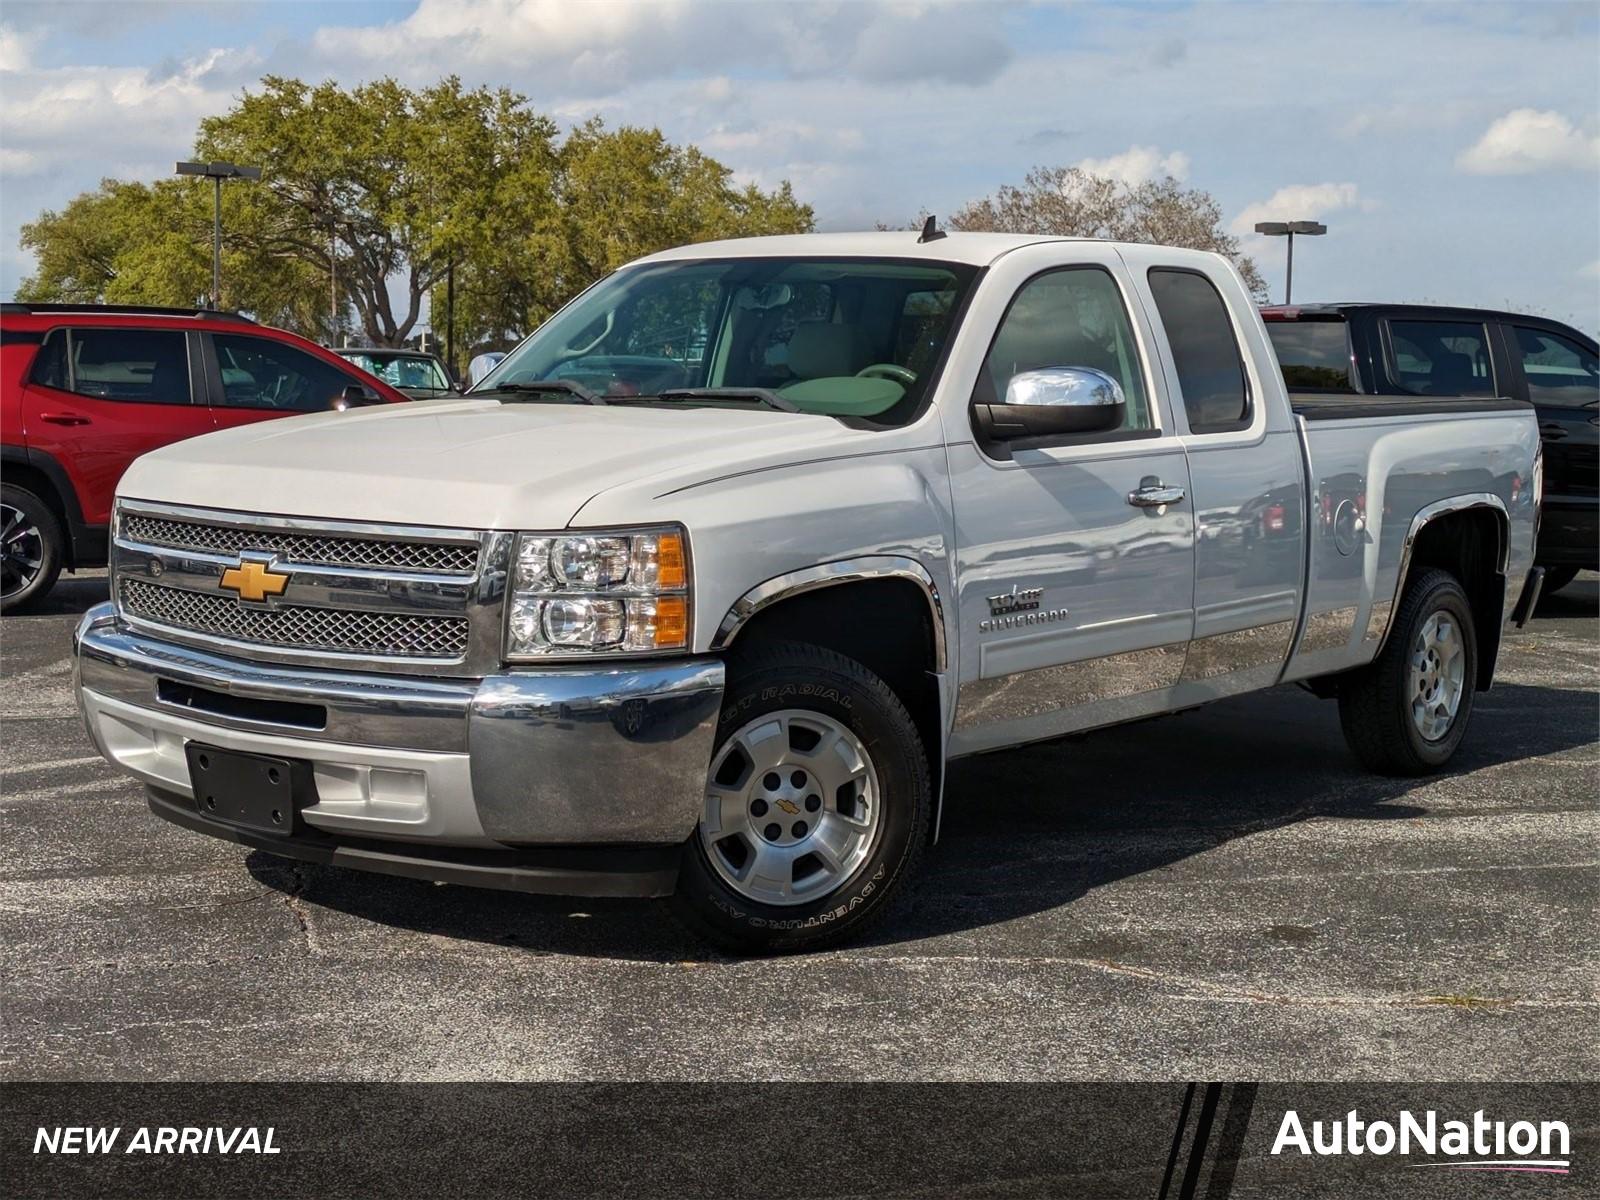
x,y
1446,596
51,539
889,738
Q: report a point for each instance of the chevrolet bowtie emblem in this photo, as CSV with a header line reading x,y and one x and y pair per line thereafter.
x,y
254,580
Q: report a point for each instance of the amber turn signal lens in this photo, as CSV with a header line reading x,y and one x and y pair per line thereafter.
x,y
672,622
673,571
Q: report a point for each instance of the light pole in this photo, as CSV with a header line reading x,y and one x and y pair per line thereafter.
x,y
1289,229
217,172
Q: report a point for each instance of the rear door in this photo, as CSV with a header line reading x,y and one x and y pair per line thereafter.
x,y
99,396
1245,468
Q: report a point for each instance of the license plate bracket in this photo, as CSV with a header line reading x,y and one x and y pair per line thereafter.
x,y
252,791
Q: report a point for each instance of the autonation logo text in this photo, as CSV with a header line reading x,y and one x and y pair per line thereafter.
x,y
1479,1144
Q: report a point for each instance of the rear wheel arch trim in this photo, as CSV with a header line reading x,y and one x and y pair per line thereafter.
x,y
833,574
1429,513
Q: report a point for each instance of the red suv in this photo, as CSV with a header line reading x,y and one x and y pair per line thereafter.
x,y
86,389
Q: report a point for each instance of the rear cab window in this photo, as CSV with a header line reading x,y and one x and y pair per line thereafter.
x,y
1205,350
1313,352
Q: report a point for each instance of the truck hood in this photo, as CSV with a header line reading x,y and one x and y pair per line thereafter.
x,y
473,463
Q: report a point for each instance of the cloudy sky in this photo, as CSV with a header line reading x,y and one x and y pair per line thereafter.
x,y
1453,149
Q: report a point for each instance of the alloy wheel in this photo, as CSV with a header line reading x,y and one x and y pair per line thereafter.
x,y
21,551
793,807
1437,676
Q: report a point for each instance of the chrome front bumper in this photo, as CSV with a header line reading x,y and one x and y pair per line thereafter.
x,y
590,756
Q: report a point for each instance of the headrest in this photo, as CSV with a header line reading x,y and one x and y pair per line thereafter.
x,y
1450,372
820,349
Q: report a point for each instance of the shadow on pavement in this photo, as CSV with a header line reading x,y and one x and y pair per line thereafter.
x,y
1580,598
1025,831
72,594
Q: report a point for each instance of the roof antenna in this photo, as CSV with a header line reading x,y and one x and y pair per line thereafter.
x,y
930,230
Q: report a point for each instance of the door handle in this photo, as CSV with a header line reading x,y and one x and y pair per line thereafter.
x,y
1157,495
64,418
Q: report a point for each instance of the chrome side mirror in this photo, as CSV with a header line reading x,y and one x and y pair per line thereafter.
x,y
1054,402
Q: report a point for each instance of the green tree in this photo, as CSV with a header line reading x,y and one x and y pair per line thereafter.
x,y
617,194
1070,202
388,188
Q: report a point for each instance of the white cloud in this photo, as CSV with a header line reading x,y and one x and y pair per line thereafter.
x,y
935,42
781,137
1300,202
16,49
17,162
1592,271
1137,164
1528,140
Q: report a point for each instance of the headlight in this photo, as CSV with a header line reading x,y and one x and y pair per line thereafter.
x,y
598,593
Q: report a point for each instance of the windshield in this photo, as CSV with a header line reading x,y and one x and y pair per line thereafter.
x,y
845,337
418,371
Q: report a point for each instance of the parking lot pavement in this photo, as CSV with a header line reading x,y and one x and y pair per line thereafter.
x,y
1221,894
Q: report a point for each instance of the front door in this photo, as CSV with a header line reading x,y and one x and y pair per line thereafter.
x,y
1076,557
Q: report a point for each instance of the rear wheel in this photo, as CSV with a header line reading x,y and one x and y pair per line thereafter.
x,y
32,547
1406,713
817,805
1556,578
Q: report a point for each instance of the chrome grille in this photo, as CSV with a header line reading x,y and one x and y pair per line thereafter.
x,y
344,631
453,558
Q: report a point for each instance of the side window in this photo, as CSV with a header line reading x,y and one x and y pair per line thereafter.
x,y
260,373
1205,350
50,364
1440,358
1559,371
141,366
1073,317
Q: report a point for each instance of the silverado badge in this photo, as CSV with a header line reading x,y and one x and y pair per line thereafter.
x,y
253,580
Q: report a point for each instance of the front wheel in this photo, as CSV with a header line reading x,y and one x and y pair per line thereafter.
x,y
817,805
1407,711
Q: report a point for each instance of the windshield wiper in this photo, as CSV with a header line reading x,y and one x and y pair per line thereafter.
x,y
763,395
534,387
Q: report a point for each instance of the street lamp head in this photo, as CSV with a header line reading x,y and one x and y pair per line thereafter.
x,y
1279,228
217,170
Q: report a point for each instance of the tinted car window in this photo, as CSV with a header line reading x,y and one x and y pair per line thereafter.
x,y
146,366
1204,350
1313,354
259,373
1440,358
50,364
1559,371
1070,318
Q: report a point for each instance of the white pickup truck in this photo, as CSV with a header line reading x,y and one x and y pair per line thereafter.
x,y
699,590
